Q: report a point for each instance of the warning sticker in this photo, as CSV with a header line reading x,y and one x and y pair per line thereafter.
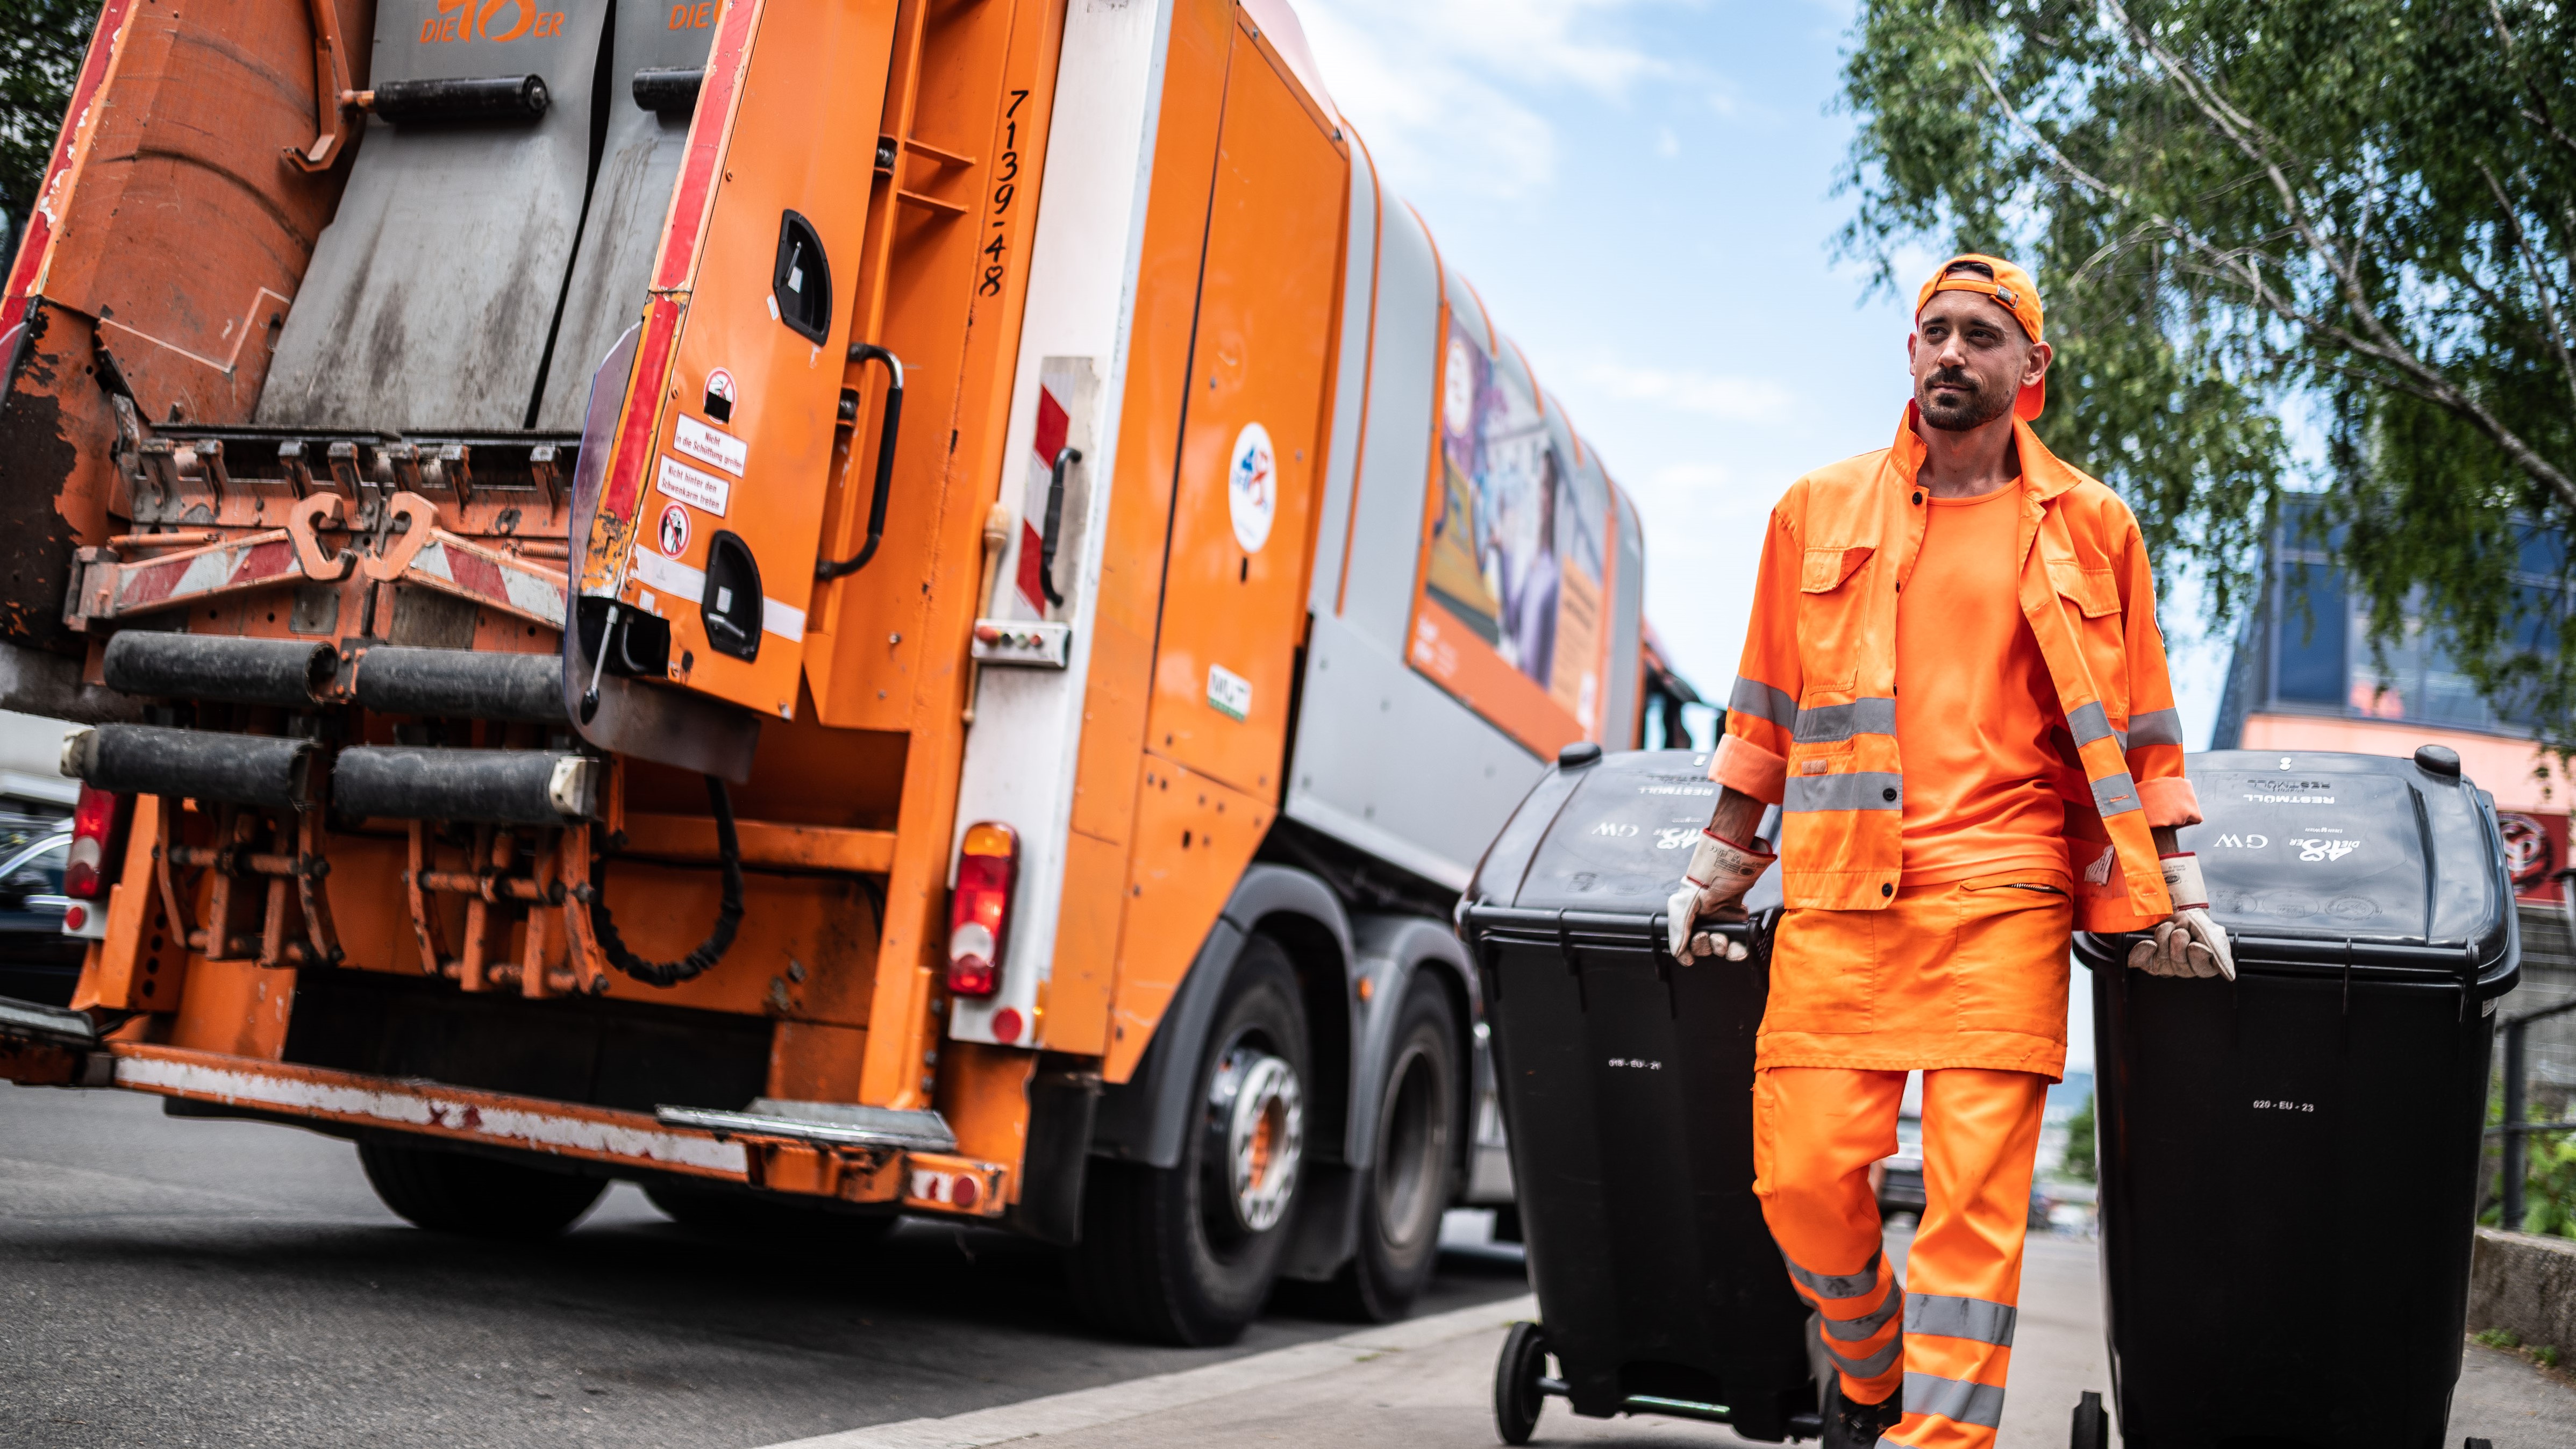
x,y
1228,693
697,489
711,445
720,395
673,535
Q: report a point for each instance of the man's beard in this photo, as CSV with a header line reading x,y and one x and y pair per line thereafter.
x,y
1979,409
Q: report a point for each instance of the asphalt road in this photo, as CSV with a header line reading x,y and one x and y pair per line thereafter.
x,y
173,1282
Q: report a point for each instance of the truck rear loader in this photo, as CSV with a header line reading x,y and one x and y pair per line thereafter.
x,y
853,606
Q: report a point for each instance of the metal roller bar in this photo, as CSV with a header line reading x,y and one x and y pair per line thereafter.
x,y
261,770
461,684
291,673
481,98
490,787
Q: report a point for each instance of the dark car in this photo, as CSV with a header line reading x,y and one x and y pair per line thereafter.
x,y
1900,1178
37,961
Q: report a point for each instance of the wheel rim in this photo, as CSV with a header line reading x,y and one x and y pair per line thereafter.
x,y
1258,1109
1413,1140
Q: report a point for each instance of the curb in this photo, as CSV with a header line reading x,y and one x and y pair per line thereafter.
x,y
1136,1398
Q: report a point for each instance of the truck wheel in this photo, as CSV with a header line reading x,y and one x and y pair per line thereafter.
x,y
1408,1182
1186,1254
747,1212
483,1197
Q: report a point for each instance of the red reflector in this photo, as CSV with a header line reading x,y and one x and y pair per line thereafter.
x,y
75,916
979,910
965,1192
1006,1025
93,826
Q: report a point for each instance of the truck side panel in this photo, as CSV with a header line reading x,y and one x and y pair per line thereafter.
x,y
1240,533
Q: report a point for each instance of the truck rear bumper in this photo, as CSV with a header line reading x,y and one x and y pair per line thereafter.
x,y
929,1182
430,1109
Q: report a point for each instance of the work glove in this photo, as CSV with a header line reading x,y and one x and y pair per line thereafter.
x,y
1721,871
2188,942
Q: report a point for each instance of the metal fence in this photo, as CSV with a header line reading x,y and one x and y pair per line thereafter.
x,y
2535,1077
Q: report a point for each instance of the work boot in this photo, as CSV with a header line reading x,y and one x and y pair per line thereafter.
x,y
1850,1425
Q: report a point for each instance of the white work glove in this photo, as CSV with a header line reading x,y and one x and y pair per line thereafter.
x,y
2188,942
1721,871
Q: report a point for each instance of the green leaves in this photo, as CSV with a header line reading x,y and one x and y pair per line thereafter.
x,y
41,45
2357,211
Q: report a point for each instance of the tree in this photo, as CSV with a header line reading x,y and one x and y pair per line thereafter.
x,y
2356,211
41,45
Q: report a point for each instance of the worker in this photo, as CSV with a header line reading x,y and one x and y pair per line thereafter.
x,y
1954,690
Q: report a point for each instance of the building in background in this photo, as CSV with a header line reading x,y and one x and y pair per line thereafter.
x,y
2305,678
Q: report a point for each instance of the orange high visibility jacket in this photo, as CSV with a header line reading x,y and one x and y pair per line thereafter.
x,y
1811,724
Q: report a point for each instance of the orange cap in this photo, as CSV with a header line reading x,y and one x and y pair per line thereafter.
x,y
2015,292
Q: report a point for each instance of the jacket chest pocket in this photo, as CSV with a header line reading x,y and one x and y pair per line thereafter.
x,y
2092,601
1833,614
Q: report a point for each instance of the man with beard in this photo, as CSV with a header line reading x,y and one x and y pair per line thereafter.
x,y
1954,689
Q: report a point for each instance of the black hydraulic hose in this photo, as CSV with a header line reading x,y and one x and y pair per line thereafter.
x,y
728,913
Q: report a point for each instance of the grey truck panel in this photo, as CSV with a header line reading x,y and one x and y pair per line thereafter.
x,y
620,234
431,294
1386,761
1395,458
1350,387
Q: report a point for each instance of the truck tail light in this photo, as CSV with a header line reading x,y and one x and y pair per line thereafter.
x,y
94,821
979,910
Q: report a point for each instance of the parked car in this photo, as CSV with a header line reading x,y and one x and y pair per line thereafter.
x,y
1900,1179
37,961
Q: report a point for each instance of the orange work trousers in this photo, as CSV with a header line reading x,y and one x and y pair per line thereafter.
x,y
1943,969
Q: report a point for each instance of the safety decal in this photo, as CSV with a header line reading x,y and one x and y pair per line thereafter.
x,y
1229,693
1252,487
673,535
693,487
720,395
711,445
1054,427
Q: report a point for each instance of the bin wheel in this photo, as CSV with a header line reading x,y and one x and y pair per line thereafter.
x,y
1517,1396
2092,1425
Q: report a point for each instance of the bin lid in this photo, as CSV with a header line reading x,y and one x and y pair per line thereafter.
x,y
1612,835
2360,846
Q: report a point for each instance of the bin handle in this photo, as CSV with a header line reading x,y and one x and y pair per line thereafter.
x,y
826,569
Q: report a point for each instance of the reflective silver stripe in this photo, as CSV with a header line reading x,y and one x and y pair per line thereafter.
x,y
1956,1400
1853,1330
1969,1318
1860,790
1872,1366
2156,727
2088,723
1829,722
1753,697
2112,794
1836,1285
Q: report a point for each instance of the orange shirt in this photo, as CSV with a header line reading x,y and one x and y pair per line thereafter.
x,y
1974,703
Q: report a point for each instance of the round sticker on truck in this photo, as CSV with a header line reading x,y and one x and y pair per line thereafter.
x,y
674,532
1252,487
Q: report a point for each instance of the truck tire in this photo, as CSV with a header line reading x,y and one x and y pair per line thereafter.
x,y
747,1212
1408,1182
482,1197
1187,1254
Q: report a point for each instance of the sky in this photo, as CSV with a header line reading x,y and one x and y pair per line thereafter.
x,y
1643,192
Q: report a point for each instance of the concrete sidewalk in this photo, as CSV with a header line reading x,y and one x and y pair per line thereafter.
x,y
1428,1384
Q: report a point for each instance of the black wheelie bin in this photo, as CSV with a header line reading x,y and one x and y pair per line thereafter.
x,y
1626,1082
2289,1162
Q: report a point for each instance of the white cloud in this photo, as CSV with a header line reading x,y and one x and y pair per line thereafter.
x,y
1735,399
1448,91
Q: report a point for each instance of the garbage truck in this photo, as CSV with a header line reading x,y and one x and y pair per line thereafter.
x,y
854,607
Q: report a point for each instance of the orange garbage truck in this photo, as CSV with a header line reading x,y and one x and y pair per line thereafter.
x,y
853,606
